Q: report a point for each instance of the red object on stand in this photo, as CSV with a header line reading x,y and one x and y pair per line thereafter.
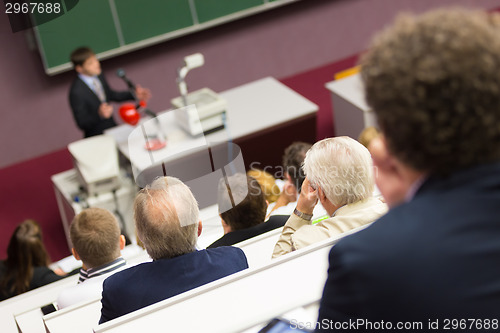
x,y
129,114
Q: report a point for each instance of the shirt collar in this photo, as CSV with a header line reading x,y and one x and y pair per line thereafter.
x,y
417,184
336,210
89,80
101,270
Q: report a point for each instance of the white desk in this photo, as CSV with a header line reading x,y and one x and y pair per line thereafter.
x,y
66,187
29,300
237,302
85,315
78,318
252,107
263,117
351,114
25,308
240,301
259,249
82,317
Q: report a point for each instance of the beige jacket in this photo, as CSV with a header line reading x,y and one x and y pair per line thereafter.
x,y
299,233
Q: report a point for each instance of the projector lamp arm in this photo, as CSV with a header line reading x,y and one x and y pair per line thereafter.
x,y
191,61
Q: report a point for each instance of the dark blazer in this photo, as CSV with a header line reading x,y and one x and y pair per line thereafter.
x,y
85,106
151,282
233,237
434,258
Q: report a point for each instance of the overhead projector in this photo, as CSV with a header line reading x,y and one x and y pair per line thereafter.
x,y
210,109
96,162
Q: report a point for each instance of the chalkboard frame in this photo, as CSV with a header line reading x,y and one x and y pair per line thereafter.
x,y
123,47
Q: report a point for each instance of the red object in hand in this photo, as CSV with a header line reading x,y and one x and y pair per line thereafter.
x,y
129,114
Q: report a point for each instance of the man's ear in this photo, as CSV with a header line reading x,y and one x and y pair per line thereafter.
x,y
391,176
78,69
75,254
381,156
200,228
321,195
122,242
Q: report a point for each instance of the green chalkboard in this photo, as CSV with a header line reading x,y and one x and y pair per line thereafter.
x,y
145,19
112,27
89,23
211,9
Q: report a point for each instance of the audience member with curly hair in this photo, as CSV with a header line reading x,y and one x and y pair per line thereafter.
x,y
432,81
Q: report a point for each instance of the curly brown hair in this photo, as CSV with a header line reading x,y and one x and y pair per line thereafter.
x,y
433,83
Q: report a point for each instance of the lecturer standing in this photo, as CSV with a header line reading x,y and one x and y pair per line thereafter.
x,y
90,94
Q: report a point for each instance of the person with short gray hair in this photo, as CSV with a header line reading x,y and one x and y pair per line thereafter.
x,y
339,173
167,221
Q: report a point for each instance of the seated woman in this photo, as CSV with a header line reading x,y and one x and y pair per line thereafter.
x,y
26,266
367,135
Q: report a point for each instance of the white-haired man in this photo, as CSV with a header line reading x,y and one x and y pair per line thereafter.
x,y
339,173
167,221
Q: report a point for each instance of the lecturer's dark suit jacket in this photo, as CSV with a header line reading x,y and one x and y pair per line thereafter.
x,y
434,258
85,106
151,282
233,237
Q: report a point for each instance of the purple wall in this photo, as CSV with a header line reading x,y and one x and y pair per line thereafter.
x,y
36,118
